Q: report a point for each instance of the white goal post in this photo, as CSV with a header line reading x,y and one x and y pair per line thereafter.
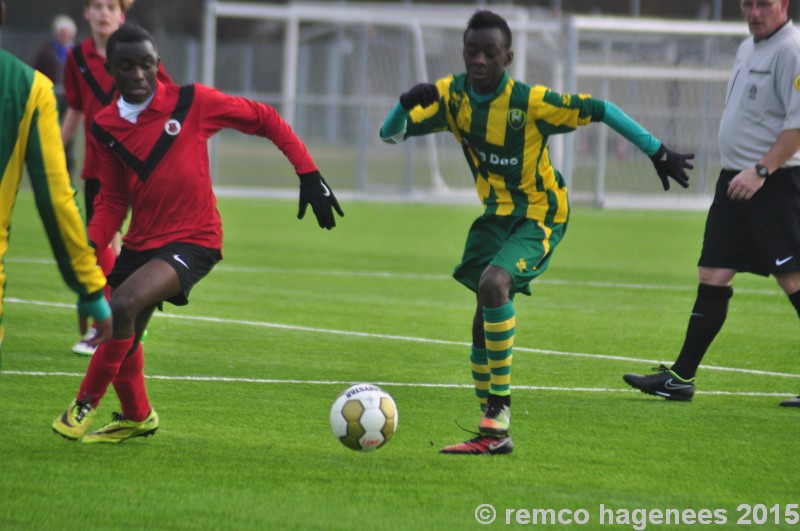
x,y
335,69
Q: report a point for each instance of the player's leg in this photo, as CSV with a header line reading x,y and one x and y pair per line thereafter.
x,y
146,287
790,283
132,304
129,382
482,443
524,252
483,242
708,315
498,328
173,272
138,418
524,255
728,244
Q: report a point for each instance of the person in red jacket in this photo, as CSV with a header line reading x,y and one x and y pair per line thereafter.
x,y
151,154
88,89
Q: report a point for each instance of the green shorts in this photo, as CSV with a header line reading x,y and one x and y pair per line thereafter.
x,y
521,246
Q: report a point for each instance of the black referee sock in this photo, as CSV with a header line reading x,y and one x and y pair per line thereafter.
x,y
708,316
794,298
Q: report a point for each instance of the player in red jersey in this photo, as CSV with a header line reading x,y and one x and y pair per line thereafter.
x,y
89,88
152,155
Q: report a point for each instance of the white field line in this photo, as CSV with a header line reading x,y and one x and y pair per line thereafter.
x,y
424,276
221,379
390,337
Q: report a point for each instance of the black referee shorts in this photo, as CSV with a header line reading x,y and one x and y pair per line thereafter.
x,y
760,235
190,261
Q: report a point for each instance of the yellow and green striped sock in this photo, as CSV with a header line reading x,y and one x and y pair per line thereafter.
x,y
498,328
479,364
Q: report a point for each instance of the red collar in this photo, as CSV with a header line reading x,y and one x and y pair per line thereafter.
x,y
159,103
89,49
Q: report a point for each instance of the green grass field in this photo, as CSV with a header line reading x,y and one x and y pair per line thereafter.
x,y
243,379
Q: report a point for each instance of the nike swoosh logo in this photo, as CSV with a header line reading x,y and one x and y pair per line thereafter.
x,y
779,262
495,446
670,385
178,259
327,192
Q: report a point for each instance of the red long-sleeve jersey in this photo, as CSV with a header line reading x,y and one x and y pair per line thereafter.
x,y
81,97
176,202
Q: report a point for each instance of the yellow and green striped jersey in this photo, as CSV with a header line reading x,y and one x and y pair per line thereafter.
x,y
504,136
30,135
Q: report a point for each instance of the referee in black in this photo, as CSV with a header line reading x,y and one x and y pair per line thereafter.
x,y
753,224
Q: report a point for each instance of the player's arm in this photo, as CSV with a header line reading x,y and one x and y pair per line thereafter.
x,y
220,111
747,182
72,120
393,129
422,99
111,204
55,200
668,163
784,148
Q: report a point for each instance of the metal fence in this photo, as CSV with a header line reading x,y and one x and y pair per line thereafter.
x,y
334,71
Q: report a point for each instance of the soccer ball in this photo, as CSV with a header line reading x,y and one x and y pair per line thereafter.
x,y
364,417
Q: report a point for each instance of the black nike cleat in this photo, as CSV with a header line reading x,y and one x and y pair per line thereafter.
x,y
664,383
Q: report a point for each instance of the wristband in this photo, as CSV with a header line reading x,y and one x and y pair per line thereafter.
x,y
95,306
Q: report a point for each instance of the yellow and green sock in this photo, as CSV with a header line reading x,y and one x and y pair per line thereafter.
x,y
479,364
498,327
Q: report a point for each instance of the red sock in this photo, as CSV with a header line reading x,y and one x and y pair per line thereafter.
x,y
106,259
103,368
130,388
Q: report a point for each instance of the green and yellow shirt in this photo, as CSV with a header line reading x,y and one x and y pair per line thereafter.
x,y
504,137
30,135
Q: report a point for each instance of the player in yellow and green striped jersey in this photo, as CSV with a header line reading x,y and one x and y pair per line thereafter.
x,y
503,126
30,135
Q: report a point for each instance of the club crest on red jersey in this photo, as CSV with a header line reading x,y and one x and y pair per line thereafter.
x,y
172,127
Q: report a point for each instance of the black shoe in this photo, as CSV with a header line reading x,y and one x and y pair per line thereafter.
x,y
664,383
792,402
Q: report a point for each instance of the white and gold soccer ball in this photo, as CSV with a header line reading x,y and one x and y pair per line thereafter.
x,y
364,417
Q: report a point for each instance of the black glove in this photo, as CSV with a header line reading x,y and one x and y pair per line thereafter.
x,y
670,163
315,191
423,94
